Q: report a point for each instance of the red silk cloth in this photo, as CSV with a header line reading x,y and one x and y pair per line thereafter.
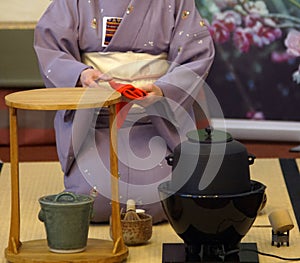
x,y
128,91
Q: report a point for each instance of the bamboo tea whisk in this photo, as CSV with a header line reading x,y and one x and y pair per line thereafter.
x,y
131,213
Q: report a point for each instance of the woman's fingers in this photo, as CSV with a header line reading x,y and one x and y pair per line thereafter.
x,y
89,77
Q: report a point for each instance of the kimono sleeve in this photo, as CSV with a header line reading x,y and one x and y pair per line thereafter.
x,y
191,54
56,44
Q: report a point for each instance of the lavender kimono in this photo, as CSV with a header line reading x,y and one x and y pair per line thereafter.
x,y
70,28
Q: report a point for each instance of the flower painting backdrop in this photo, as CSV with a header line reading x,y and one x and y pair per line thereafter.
x,y
255,74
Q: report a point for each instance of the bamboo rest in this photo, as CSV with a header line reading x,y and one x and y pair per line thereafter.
x,y
63,99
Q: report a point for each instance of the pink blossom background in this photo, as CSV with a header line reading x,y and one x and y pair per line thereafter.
x,y
256,72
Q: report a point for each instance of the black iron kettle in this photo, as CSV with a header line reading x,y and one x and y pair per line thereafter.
x,y
210,162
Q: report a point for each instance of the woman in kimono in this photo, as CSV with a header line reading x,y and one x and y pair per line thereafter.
x,y
67,31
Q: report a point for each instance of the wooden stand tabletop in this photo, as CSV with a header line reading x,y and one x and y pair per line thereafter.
x,y
63,98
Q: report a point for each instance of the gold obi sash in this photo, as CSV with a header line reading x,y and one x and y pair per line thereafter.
x,y
137,69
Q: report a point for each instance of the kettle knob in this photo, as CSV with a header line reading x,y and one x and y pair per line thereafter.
x,y
209,131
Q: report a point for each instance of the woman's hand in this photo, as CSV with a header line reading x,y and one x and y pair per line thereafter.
x,y
89,77
154,93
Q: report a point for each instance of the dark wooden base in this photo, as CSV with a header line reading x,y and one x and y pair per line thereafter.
x,y
97,251
176,253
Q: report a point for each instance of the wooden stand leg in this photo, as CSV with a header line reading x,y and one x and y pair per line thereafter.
x,y
14,236
117,234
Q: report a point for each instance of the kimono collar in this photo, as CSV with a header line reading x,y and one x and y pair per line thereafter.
x,y
133,20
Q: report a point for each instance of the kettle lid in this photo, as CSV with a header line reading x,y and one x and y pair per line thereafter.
x,y
208,136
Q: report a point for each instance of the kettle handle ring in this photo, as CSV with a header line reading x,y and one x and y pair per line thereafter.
x,y
251,158
170,159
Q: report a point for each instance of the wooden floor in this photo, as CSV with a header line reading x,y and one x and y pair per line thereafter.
x,y
260,149
263,149
31,154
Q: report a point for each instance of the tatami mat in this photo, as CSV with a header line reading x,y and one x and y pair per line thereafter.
x,y
268,171
39,179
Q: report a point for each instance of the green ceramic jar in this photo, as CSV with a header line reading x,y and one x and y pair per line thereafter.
x,y
66,217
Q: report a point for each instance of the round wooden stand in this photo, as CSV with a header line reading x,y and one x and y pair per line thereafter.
x,y
97,251
64,99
